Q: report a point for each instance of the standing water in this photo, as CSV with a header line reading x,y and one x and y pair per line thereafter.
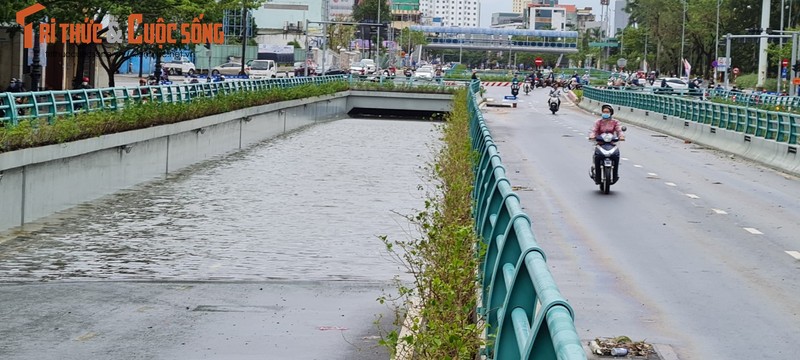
x,y
309,205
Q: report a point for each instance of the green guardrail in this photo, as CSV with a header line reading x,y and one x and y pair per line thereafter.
x,y
15,107
771,125
525,313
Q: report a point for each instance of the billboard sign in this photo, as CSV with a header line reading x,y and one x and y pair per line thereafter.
x,y
339,8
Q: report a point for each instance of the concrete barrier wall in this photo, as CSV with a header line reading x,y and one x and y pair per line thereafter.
x,y
780,156
39,182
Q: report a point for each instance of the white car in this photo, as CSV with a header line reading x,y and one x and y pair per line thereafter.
x,y
179,66
674,83
229,68
424,73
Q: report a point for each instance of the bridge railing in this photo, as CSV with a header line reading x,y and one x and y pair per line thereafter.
x,y
15,107
525,313
772,125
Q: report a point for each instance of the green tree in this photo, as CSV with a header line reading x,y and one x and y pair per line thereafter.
x,y
367,11
408,39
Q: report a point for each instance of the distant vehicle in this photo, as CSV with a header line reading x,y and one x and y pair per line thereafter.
x,y
229,68
300,69
674,83
363,67
391,71
424,73
262,69
336,72
179,66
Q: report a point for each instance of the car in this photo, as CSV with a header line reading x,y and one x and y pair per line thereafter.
x,y
424,73
300,69
674,83
336,72
262,69
179,66
229,68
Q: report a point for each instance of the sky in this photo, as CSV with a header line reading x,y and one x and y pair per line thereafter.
x,y
492,6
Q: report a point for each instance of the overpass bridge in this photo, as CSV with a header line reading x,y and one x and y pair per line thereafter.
x,y
519,40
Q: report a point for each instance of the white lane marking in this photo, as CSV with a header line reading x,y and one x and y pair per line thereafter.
x,y
721,212
638,166
754,231
577,131
692,196
652,174
625,159
670,184
794,254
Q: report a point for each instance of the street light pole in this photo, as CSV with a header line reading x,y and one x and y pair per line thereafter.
x,y
716,43
378,43
683,35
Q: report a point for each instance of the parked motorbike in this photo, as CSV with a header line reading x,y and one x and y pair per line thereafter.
x,y
606,155
552,103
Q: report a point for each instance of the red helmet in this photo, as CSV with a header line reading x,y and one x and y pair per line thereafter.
x,y
85,79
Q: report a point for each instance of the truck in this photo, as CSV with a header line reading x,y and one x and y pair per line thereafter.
x,y
179,66
267,69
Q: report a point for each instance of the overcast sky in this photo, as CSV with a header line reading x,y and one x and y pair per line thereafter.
x,y
492,6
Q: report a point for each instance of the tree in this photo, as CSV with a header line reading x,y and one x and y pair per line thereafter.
x,y
367,11
409,39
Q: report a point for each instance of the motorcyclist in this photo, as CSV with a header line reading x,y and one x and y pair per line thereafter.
x,y
606,124
555,92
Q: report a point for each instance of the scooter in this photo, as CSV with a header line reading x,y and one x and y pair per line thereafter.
x,y
526,88
607,151
514,90
552,103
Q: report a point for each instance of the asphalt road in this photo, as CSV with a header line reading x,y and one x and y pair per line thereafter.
x,y
694,250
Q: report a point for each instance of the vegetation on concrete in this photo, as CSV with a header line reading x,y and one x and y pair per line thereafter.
x,y
138,115
443,260
391,86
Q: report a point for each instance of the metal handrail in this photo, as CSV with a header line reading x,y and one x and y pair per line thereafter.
x,y
524,311
772,125
15,107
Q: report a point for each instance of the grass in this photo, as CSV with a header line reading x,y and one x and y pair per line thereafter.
x,y
137,115
749,81
443,260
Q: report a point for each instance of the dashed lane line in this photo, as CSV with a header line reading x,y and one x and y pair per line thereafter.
x,y
754,231
794,254
670,184
692,196
638,166
719,211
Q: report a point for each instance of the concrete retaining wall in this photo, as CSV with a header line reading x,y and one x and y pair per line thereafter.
x,y
780,156
39,182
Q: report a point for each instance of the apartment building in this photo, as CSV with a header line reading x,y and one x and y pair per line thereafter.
x,y
450,13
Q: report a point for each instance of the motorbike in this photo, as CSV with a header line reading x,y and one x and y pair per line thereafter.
x,y
526,88
552,103
607,152
514,89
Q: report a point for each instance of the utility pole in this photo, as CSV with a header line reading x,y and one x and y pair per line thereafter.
x,y
244,36
762,45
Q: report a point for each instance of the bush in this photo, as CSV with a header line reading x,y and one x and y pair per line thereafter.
x,y
444,260
749,81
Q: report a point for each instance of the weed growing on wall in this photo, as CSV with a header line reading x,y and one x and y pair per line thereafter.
x,y
443,260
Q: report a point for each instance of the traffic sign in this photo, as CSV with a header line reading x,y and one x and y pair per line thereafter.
x,y
796,81
785,62
509,97
538,61
621,62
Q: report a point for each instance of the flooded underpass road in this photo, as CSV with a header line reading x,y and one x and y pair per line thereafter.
x,y
269,253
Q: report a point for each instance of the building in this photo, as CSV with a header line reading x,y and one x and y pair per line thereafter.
x,y
557,17
450,13
520,6
547,18
620,16
504,18
584,16
405,13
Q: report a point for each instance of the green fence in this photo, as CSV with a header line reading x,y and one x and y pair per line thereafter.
x,y
51,104
771,125
526,315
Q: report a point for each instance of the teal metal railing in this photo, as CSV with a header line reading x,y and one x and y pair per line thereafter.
x,y
525,313
771,125
15,107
